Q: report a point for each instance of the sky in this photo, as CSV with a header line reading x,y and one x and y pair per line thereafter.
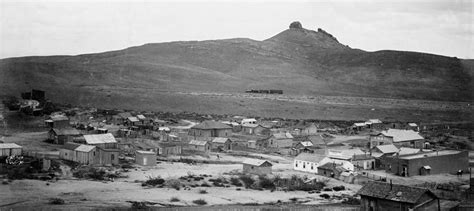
x,y
71,27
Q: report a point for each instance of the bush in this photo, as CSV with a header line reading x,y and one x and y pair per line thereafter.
x,y
339,188
235,181
266,183
205,184
174,199
327,189
137,205
176,184
325,195
200,202
247,180
202,191
351,201
56,201
154,181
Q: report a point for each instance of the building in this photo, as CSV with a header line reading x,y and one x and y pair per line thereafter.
x,y
437,162
165,149
364,161
303,146
399,138
248,121
121,118
10,149
380,196
132,120
252,144
309,162
63,135
281,140
333,170
211,129
254,166
145,158
310,130
255,129
85,154
380,152
107,148
222,144
203,146
67,151
57,121
374,124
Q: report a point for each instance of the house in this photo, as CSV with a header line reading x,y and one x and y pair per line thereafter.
x,y
222,144
359,126
381,151
281,140
203,146
236,127
107,156
254,129
377,196
374,124
10,149
66,152
107,147
363,161
309,162
344,157
437,162
248,121
132,121
211,129
145,158
254,166
262,143
63,135
310,130
142,118
333,170
252,144
121,118
85,154
165,149
303,146
408,138
57,121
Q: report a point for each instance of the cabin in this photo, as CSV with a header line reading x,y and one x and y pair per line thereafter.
x,y
63,135
221,144
387,196
309,162
196,145
10,149
165,149
57,121
255,166
333,170
281,140
426,163
303,146
85,154
66,152
211,129
145,158
406,138
375,124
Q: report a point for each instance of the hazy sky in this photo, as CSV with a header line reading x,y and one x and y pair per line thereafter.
x,y
71,27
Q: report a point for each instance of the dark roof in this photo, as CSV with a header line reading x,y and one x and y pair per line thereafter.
x,y
71,146
124,115
362,157
394,192
66,131
207,125
330,166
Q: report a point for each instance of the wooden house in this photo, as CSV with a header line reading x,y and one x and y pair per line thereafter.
x,y
222,144
363,161
10,149
63,135
252,144
196,145
85,154
145,158
211,129
254,166
165,149
57,121
329,169
387,196
309,162
399,138
107,147
281,140
66,152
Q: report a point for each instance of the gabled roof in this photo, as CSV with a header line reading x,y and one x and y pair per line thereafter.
x,y
124,115
9,146
197,142
66,131
344,154
282,135
394,192
145,152
100,138
84,148
387,149
133,119
362,157
58,117
412,125
306,143
310,157
250,125
407,151
71,146
220,140
255,162
402,135
140,116
208,125
373,121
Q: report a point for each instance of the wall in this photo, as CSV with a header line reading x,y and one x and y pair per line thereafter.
x,y
439,164
150,159
210,132
10,152
379,140
281,143
305,166
66,154
107,157
85,157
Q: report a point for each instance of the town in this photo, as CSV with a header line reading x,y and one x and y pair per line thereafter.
x,y
67,156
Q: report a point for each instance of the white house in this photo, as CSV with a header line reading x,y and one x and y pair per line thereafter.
x,y
309,162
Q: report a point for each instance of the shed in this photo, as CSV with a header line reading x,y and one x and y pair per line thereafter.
x,y
145,158
255,166
203,146
221,143
9,149
85,154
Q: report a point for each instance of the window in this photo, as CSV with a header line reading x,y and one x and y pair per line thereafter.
x,y
93,153
312,167
112,156
296,164
304,165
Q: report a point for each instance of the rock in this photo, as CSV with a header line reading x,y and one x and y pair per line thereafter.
x,y
296,25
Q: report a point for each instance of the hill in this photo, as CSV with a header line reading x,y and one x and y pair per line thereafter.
x,y
298,61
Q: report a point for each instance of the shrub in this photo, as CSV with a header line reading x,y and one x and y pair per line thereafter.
x,y
294,199
176,184
247,180
339,188
325,195
154,181
205,184
136,205
56,201
266,183
351,201
200,202
202,191
235,181
327,189
174,199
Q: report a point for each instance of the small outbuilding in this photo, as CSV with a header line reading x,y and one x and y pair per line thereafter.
x,y
9,149
145,158
196,145
222,144
255,166
63,135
